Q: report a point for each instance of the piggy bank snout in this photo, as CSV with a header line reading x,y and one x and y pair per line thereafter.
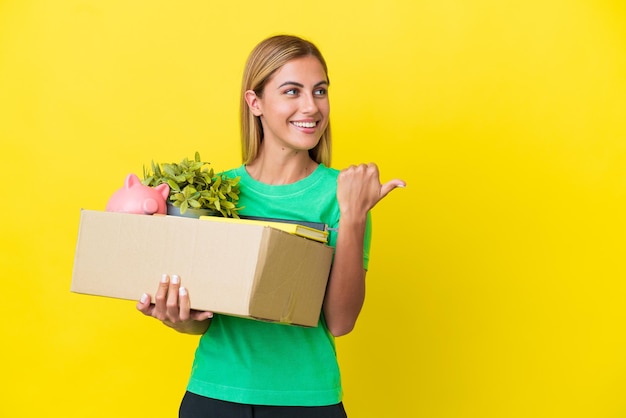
x,y
150,206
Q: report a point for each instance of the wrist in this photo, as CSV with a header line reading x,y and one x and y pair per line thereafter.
x,y
352,220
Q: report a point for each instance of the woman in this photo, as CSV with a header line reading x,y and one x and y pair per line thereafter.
x,y
250,368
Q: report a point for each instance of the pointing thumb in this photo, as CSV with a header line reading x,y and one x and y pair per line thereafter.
x,y
390,185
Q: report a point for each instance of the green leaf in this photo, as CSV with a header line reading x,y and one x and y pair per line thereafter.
x,y
156,169
173,185
188,191
169,169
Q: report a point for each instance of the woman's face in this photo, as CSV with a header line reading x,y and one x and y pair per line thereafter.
x,y
294,106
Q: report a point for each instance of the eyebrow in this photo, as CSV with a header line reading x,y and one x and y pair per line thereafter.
x,y
293,83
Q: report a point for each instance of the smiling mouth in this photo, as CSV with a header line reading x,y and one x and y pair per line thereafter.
x,y
305,124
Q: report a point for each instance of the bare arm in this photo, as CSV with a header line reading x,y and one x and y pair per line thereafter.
x,y
172,307
358,191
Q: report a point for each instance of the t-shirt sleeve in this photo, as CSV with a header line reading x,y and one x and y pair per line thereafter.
x,y
367,241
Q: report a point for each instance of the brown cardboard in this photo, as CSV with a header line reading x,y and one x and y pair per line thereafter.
x,y
235,269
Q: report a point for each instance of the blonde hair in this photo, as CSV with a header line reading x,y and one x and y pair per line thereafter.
x,y
264,60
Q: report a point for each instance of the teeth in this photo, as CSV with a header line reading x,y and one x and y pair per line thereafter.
x,y
304,124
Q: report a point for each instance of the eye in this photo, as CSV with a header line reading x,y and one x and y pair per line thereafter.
x,y
291,92
320,92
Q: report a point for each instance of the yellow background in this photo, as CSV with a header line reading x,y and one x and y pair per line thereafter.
x,y
496,287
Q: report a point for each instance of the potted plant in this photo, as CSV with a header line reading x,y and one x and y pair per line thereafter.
x,y
195,190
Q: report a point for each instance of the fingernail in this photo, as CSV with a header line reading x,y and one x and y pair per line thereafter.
x,y
175,279
182,291
144,298
164,278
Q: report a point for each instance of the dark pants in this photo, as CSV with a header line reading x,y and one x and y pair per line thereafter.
x,y
196,406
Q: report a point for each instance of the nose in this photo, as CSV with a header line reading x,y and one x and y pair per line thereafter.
x,y
309,104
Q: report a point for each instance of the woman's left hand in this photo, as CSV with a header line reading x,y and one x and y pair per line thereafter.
x,y
359,188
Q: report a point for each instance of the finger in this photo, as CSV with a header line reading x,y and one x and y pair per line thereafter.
x,y
200,315
185,308
172,306
371,168
143,305
160,298
391,185
184,304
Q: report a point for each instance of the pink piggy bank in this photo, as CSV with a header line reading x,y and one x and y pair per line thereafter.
x,y
134,197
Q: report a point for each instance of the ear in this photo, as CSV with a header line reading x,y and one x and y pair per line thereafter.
x,y
254,103
163,189
131,180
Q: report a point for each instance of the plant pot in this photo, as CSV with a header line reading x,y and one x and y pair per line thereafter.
x,y
189,213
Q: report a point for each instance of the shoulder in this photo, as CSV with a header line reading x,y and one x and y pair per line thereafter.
x,y
327,172
234,172
322,178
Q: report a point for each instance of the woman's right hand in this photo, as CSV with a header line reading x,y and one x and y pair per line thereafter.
x,y
172,307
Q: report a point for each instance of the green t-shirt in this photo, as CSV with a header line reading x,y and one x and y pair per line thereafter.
x,y
254,362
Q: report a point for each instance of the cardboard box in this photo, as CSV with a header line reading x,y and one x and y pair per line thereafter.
x,y
235,269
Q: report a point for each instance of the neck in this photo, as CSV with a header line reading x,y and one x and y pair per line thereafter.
x,y
281,169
